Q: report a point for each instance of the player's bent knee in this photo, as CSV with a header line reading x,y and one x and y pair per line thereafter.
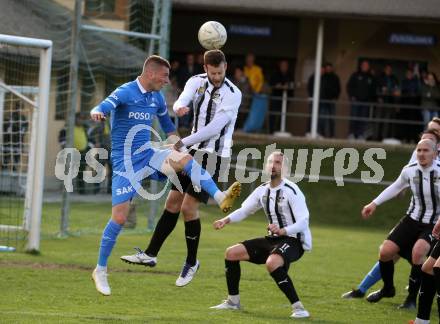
x,y
174,201
273,262
236,253
188,211
173,206
417,258
388,251
428,265
119,218
178,164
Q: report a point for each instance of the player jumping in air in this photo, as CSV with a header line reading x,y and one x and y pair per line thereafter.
x,y
133,106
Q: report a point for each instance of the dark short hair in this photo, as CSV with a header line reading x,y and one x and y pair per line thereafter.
x,y
214,57
156,60
432,132
436,120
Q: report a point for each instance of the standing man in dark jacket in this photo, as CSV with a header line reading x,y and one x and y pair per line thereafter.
x,y
388,91
410,95
361,89
280,81
330,90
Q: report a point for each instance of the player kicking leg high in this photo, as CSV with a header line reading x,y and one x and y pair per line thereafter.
x,y
215,100
133,106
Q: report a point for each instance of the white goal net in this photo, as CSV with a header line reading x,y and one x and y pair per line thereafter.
x,y
25,65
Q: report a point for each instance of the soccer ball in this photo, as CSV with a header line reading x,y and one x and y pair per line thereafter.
x,y
212,35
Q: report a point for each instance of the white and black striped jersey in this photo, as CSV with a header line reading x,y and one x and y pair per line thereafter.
x,y
207,101
425,187
284,205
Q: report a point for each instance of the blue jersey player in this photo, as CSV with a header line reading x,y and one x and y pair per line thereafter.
x,y
133,107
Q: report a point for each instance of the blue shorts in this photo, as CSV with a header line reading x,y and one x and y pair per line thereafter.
x,y
129,171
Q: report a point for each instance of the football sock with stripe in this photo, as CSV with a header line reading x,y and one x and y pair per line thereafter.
x,y
387,272
164,227
233,273
370,279
426,296
201,177
285,284
192,235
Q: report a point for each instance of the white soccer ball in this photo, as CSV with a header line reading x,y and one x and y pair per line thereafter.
x,y
212,35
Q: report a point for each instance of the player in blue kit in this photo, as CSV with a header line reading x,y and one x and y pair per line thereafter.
x,y
133,107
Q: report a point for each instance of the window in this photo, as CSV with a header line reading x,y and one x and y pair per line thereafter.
x,y
100,7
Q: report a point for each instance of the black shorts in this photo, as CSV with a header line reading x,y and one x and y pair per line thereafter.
x,y
215,165
435,253
260,248
406,233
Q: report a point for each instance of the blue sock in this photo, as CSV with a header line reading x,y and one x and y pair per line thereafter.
x,y
200,177
371,278
108,240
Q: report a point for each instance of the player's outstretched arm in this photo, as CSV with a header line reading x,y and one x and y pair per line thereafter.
x,y
207,132
220,223
248,207
390,192
368,210
96,115
111,102
180,106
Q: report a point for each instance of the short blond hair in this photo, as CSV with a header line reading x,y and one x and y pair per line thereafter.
x,y
155,60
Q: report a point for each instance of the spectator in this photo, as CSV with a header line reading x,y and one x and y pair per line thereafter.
x,y
254,73
410,95
430,96
330,91
174,71
186,71
361,89
388,91
259,103
280,81
200,62
242,82
100,135
82,144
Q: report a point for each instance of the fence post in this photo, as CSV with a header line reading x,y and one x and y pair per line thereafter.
x,y
282,131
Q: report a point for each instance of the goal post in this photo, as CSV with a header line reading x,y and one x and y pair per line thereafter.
x,y
38,140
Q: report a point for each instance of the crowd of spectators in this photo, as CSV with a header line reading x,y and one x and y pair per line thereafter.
x,y
379,103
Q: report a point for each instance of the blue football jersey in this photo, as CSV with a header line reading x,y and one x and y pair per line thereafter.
x,y
130,105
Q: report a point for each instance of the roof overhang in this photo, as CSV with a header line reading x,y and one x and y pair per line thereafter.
x,y
402,10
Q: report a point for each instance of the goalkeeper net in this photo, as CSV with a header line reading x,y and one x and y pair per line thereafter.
x,y
24,89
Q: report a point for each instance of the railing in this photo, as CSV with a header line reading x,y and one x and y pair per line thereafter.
x,y
296,114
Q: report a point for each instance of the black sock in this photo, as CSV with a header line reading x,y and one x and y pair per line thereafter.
x,y
387,272
284,282
233,272
414,280
437,285
426,296
192,236
164,227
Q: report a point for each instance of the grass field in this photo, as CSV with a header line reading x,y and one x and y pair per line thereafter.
x,y
55,287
